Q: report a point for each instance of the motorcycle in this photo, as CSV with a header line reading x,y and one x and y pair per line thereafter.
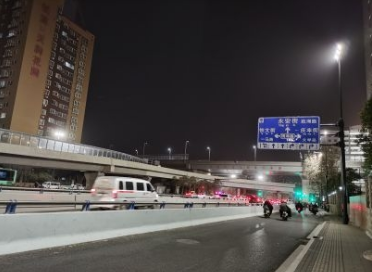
x,y
284,215
299,207
314,210
266,212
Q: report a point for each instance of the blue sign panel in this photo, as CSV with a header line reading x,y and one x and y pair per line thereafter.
x,y
289,133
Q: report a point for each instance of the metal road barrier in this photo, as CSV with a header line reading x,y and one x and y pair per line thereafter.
x,y
11,205
42,190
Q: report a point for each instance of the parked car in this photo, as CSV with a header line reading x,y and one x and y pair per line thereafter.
x,y
51,185
77,186
191,194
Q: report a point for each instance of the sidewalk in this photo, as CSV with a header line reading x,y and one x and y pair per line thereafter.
x,y
336,248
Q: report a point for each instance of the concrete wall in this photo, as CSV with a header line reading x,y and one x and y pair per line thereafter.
x,y
24,232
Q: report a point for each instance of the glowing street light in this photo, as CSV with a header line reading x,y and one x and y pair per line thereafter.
x,y
59,134
209,153
338,52
136,150
170,152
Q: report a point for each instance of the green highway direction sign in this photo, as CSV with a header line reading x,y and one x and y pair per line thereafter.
x,y
289,133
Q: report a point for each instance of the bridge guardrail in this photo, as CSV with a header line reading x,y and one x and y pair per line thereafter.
x,y
42,190
11,205
18,138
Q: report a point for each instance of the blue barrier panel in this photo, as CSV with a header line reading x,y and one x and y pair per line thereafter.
x,y
7,207
189,205
131,206
11,207
86,206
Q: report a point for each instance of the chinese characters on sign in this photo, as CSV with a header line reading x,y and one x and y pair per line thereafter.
x,y
38,48
289,133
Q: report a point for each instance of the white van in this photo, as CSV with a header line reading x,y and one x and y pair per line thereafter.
x,y
123,189
51,185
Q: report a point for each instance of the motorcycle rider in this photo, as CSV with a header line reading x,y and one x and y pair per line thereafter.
x,y
299,207
284,207
268,205
314,209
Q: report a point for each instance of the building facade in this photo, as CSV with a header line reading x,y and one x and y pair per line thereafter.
x,y
45,62
367,21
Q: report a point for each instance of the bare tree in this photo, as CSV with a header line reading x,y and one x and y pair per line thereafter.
x,y
321,169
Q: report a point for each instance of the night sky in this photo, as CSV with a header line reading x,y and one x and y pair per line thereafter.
x,y
204,71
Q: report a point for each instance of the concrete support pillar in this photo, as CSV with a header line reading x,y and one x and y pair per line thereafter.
x,y
90,178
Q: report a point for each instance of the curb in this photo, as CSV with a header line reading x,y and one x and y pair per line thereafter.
x,y
291,263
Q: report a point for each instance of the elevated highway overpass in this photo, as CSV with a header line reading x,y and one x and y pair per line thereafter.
x,y
27,150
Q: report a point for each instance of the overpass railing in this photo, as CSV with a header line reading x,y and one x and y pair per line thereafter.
x,y
18,138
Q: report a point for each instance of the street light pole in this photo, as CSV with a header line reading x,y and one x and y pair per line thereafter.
x,y
341,125
143,150
136,152
186,143
209,153
255,152
326,179
170,152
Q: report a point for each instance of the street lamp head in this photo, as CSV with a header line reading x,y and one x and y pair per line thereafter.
x,y
208,148
169,149
338,53
254,147
59,134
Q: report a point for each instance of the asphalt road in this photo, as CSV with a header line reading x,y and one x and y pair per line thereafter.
x,y
252,244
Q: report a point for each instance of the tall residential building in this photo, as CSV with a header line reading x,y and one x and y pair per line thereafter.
x,y
367,21
45,62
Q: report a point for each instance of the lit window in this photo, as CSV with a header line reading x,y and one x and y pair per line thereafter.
x,y
2,115
69,65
